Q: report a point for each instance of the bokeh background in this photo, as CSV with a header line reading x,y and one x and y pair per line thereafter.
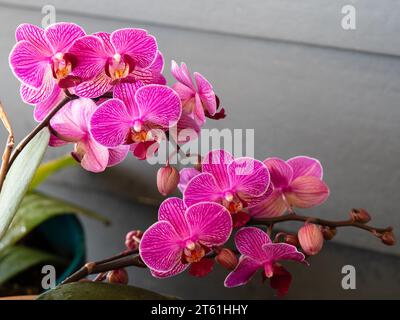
x,y
291,72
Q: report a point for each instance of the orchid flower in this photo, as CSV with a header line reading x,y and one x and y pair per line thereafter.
x,y
71,125
296,182
234,183
105,60
196,97
42,62
258,252
183,236
134,115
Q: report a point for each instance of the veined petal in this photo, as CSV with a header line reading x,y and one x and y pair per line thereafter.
x,y
56,142
158,105
34,35
173,210
210,223
151,74
271,206
177,269
117,155
250,240
201,188
29,63
182,74
36,95
206,93
305,166
307,192
243,272
94,88
95,158
43,108
248,177
111,123
71,122
91,57
184,92
185,175
62,35
282,251
126,93
281,173
136,43
106,37
199,110
216,163
159,247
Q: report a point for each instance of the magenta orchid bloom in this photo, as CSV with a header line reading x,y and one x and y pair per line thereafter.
x,y
196,97
258,252
71,125
41,60
234,183
296,182
105,60
183,236
135,116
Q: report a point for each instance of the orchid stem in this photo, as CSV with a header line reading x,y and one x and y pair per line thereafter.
x,y
5,162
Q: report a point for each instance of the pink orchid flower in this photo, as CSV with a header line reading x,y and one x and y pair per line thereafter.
x,y
105,60
197,98
234,183
296,182
258,252
71,125
41,59
135,115
183,236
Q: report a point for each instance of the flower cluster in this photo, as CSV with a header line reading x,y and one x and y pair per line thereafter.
x,y
120,101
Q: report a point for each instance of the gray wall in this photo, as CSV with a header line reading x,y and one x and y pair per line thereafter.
x,y
289,71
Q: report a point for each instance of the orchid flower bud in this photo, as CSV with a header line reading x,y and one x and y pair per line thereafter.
x,y
167,180
311,238
360,215
388,238
118,276
291,239
227,259
329,232
132,239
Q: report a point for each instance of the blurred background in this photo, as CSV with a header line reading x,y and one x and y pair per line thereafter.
x,y
288,70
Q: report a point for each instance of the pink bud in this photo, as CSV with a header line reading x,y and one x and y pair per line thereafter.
x,y
167,180
118,276
132,239
311,238
388,238
227,258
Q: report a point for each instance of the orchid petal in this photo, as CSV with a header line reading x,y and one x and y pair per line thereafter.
x,y
62,35
243,272
173,210
126,93
94,88
37,95
106,37
272,206
28,63
117,155
136,43
281,251
248,177
111,123
95,158
249,242
216,163
307,192
203,187
210,223
305,166
159,247
185,175
182,74
206,93
35,36
43,108
281,173
158,105
177,269
185,93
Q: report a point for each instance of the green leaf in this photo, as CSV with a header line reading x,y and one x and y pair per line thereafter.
x,y
17,259
35,209
19,177
100,291
49,168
